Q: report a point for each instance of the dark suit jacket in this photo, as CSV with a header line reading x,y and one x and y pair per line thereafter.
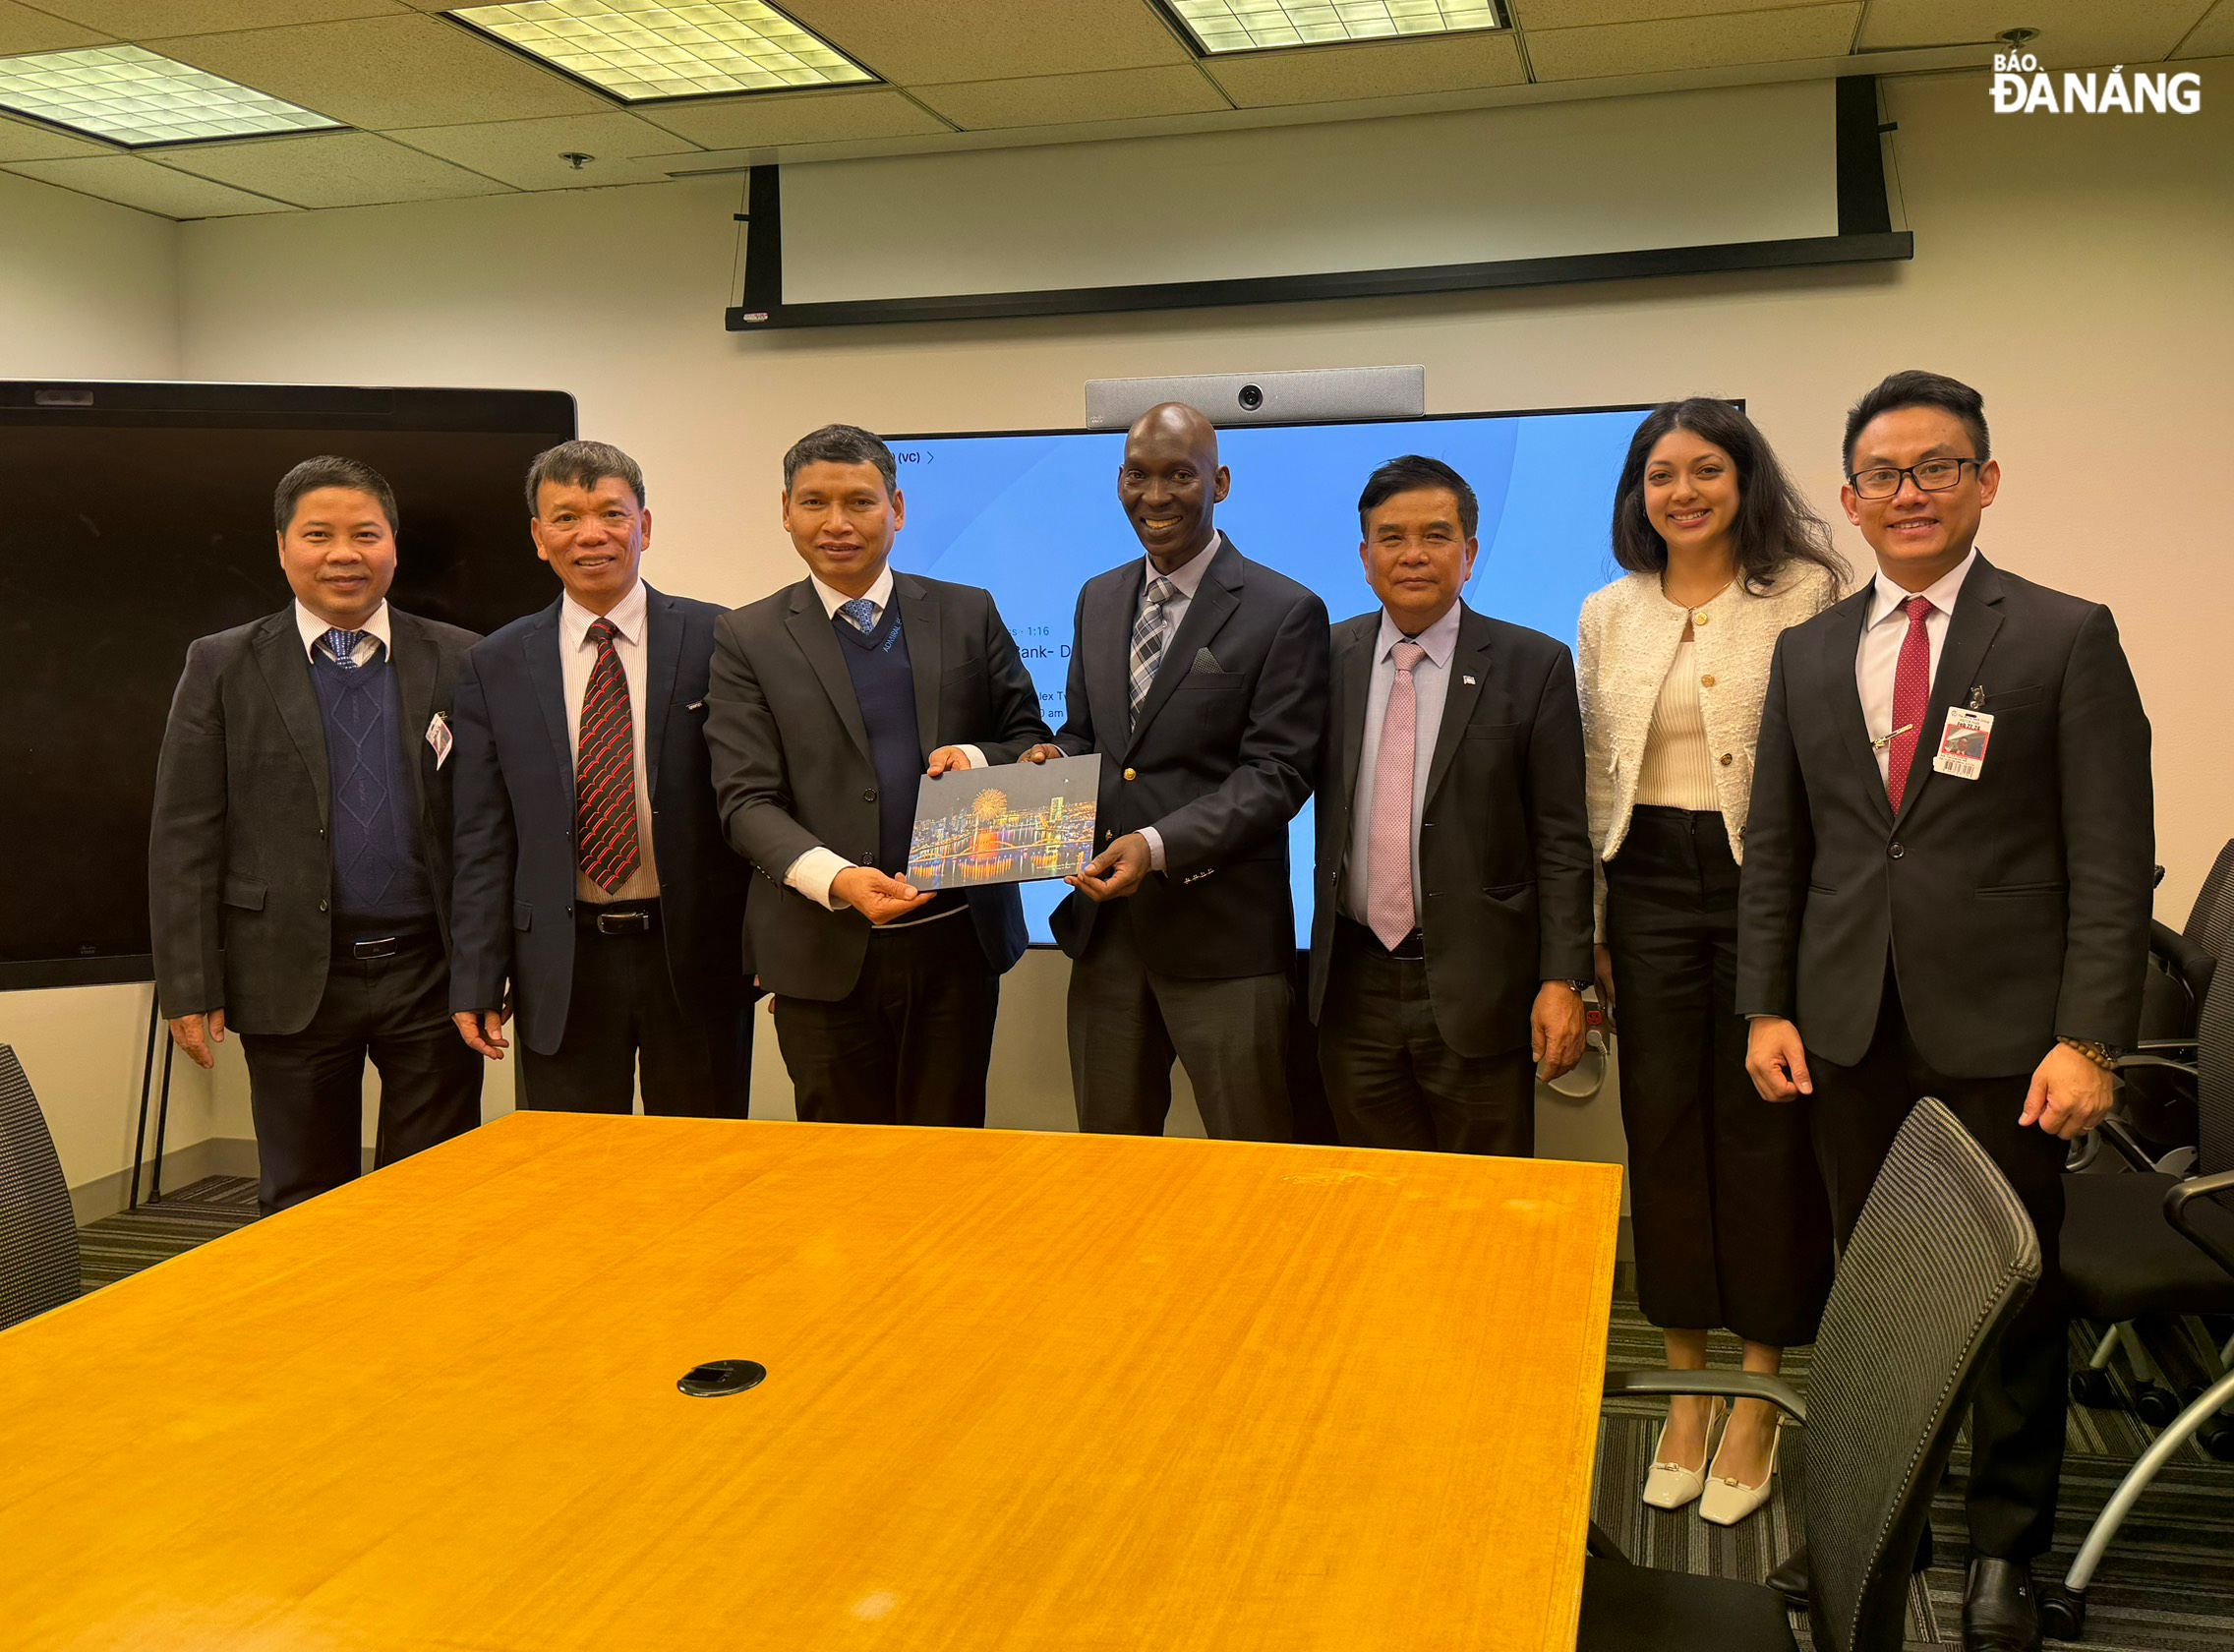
x,y
512,917
2016,906
792,765
240,871
1504,834
1218,764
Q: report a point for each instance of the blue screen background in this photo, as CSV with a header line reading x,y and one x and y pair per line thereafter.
x,y
1032,517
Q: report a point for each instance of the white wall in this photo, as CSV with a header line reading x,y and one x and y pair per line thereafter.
x,y
2074,268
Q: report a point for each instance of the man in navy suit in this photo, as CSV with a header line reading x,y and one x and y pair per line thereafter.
x,y
592,877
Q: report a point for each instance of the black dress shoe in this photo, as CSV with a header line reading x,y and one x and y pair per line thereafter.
x,y
1791,1578
1999,1612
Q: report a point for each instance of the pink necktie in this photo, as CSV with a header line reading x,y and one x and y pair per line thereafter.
x,y
1911,697
1388,836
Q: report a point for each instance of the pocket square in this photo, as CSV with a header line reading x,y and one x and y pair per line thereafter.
x,y
1205,660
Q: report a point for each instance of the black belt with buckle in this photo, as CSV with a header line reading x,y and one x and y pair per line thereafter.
x,y
636,918
1412,949
382,946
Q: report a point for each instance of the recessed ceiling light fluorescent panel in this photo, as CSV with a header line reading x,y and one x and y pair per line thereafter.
x,y
129,95
1239,26
640,51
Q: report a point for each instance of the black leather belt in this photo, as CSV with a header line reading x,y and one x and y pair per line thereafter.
x,y
1412,949
382,946
632,917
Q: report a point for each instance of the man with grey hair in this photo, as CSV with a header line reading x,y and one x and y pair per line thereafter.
x,y
594,892
830,699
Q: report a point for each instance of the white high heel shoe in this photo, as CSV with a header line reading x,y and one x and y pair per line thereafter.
x,y
1670,1485
1726,1501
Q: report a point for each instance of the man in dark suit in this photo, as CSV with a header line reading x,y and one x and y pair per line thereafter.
x,y
1450,939
298,869
592,875
1915,920
1201,678
830,702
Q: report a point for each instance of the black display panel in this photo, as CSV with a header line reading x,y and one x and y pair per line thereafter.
x,y
139,518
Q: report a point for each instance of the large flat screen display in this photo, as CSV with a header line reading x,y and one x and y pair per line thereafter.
x,y
142,519
1033,515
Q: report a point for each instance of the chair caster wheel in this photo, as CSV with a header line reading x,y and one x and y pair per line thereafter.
x,y
2218,1439
2090,1386
2063,1613
2155,1405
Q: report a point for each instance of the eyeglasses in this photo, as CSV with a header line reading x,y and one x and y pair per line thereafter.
x,y
1933,476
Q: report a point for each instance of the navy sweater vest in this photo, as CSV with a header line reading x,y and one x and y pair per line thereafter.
x,y
884,682
380,881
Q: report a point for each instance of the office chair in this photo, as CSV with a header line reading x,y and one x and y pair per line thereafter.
x,y
38,1233
2150,1247
1940,1261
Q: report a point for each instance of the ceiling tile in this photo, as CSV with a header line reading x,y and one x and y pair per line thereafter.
x,y
384,71
1576,14
1398,69
1700,42
335,170
26,141
2214,36
793,117
913,42
24,30
135,181
527,153
1106,95
2074,34
134,19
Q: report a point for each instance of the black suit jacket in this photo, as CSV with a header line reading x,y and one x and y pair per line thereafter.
x,y
512,916
1219,763
792,765
2015,907
1504,834
240,869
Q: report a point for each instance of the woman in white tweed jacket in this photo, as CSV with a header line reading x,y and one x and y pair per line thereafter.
x,y
1731,1227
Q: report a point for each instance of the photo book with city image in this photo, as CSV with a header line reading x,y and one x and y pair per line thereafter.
x,y
1012,824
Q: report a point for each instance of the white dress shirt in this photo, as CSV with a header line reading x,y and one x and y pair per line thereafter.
x,y
1431,688
1187,578
1882,631
577,657
813,873
312,630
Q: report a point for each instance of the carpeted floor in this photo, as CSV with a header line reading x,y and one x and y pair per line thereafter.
x,y
2167,1585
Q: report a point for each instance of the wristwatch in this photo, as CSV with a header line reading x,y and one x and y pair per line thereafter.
x,y
2102,1055
1580,986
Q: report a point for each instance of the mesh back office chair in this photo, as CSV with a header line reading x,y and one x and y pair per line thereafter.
x,y
2150,1246
38,1234
1940,1261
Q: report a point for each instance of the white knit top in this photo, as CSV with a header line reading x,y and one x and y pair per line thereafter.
x,y
1625,651
1677,770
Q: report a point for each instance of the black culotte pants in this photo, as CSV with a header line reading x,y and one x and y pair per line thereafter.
x,y
1731,1224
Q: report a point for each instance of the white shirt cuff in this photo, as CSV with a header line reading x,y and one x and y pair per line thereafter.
x,y
812,874
1156,847
977,758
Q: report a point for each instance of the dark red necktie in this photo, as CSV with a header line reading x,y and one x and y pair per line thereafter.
x,y
1911,695
605,770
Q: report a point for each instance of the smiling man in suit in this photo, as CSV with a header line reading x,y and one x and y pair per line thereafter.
x,y
595,892
830,702
298,868
1201,678
1946,893
1451,935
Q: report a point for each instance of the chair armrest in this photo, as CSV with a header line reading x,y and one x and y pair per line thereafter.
x,y
2176,1202
2162,1045
2125,1061
1728,1384
2114,1131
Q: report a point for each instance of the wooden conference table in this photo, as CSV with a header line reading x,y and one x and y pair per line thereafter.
x,y
1025,1391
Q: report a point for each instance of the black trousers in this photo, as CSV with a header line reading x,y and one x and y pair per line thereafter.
x,y
2017,1422
1391,1080
909,1044
306,1089
1731,1222
1127,1021
622,1012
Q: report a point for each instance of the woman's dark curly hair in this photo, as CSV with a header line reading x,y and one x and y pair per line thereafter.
x,y
1775,525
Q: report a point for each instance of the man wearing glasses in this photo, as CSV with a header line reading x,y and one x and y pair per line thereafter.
x,y
1946,892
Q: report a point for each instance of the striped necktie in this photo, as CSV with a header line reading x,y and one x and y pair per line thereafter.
x,y
1148,638
605,770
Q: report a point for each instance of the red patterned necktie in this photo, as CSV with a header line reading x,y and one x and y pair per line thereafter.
x,y
1911,697
605,770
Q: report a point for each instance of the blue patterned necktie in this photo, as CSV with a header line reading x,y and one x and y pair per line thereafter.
x,y
1147,643
342,645
860,614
